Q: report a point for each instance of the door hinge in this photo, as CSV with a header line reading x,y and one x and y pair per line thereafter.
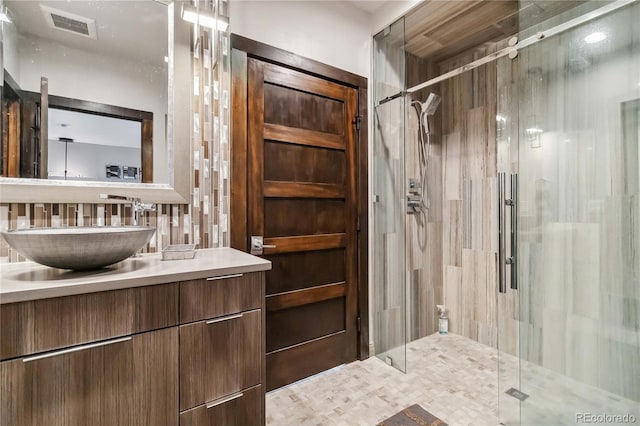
x,y
357,121
358,324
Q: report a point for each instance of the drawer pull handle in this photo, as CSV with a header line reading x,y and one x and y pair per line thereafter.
x,y
224,400
76,349
224,277
230,317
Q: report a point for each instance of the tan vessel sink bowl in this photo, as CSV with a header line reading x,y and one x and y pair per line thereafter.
x,y
79,248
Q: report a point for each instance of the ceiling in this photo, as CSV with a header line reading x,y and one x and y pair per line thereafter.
x,y
94,129
369,6
134,29
441,29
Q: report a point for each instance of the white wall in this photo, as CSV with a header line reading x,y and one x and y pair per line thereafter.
x,y
331,32
10,50
390,12
86,161
95,77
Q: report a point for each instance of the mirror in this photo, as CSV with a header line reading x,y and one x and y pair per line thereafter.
x,y
89,95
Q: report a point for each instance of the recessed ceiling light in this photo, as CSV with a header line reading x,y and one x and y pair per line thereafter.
x,y
596,37
534,130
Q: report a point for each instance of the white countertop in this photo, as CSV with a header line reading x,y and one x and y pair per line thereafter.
x,y
30,281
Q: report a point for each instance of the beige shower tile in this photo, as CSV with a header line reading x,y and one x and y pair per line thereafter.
x,y
452,233
453,293
475,143
452,167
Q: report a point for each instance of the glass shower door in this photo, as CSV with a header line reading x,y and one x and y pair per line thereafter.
x,y
508,302
579,220
389,204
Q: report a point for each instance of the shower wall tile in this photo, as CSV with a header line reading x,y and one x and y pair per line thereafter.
x,y
453,294
452,166
423,231
470,199
475,161
452,233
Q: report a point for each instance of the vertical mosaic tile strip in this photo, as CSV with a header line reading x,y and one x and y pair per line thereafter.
x,y
210,138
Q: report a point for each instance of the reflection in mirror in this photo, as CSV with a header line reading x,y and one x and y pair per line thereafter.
x,y
85,90
87,146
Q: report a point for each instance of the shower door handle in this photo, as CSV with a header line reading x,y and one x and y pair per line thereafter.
x,y
512,261
502,284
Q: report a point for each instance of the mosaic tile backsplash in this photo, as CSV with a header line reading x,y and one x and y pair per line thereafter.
x,y
172,221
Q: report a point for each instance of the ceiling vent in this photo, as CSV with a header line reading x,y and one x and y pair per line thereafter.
x,y
69,22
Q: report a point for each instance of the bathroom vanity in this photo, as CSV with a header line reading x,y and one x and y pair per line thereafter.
x,y
145,342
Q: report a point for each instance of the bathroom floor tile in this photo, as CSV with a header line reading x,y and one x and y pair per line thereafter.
x,y
452,377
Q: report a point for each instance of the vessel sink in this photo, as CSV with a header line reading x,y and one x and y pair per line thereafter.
x,y
79,248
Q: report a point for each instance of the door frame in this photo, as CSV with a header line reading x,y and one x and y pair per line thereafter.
x,y
243,48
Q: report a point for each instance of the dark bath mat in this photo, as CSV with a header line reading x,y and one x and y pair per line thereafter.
x,y
413,416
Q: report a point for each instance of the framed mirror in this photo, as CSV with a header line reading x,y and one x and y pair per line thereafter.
x,y
95,99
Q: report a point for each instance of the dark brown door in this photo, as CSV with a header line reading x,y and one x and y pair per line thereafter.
x,y
302,200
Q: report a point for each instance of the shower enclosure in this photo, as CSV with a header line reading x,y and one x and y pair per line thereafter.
x,y
389,207
534,204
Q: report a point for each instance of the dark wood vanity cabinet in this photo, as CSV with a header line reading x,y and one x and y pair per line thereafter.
x,y
219,357
124,381
239,409
222,351
187,353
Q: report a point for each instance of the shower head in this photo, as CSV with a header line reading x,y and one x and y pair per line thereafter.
x,y
430,106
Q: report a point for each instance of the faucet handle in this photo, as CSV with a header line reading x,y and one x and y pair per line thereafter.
x,y
151,207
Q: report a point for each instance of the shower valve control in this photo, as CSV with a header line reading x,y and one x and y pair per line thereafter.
x,y
414,186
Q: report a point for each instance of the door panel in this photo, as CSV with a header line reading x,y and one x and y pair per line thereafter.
x,y
285,366
292,271
328,216
299,163
295,325
286,107
302,199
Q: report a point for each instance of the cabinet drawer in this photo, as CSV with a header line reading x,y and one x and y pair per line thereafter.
x,y
240,409
219,357
47,324
218,296
123,381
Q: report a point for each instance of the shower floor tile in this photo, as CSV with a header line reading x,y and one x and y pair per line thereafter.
x,y
454,378
450,376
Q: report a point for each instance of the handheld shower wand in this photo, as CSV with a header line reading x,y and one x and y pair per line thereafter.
x,y
424,110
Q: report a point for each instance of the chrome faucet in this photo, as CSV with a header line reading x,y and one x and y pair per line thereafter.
x,y
137,206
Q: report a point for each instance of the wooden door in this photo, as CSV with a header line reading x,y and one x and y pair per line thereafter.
x,y
302,199
122,382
